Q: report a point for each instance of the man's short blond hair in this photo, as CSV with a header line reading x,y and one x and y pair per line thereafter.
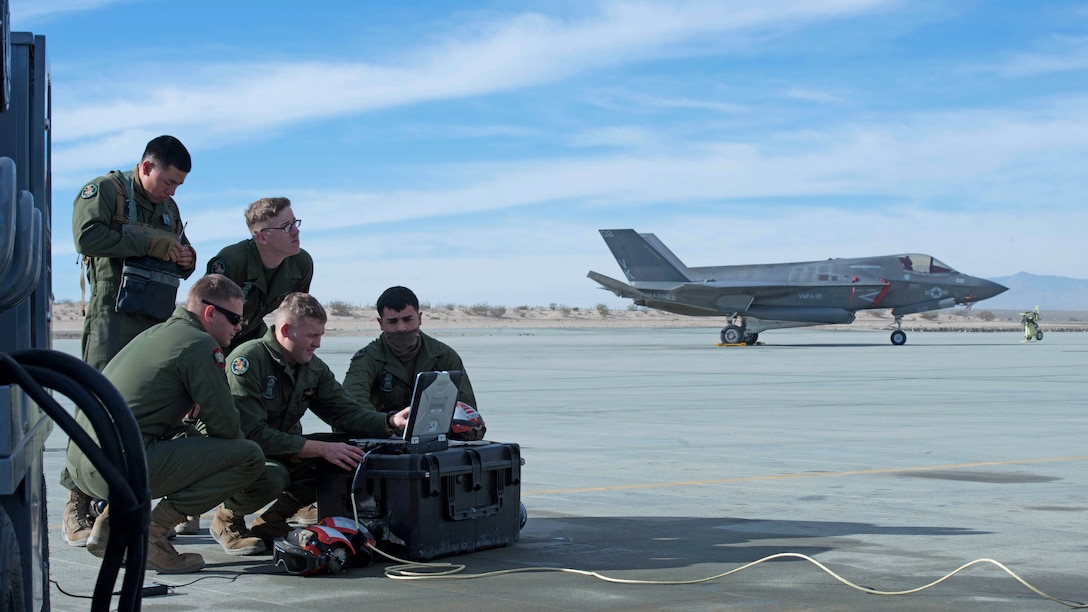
x,y
215,288
264,209
298,306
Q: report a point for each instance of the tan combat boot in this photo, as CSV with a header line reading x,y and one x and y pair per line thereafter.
x,y
100,534
272,523
77,519
161,555
229,529
305,517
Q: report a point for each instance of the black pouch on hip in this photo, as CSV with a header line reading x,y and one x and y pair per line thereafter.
x,y
149,287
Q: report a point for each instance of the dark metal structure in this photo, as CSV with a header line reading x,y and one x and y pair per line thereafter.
x,y
25,307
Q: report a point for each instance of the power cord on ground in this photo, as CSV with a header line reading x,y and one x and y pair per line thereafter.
x,y
409,570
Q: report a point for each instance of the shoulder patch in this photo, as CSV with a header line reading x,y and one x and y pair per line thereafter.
x,y
90,190
217,266
219,357
358,354
239,366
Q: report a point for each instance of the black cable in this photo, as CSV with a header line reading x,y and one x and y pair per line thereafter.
x,y
110,397
126,446
124,506
129,510
117,483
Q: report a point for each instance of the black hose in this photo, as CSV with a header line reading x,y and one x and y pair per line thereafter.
x,y
126,507
123,465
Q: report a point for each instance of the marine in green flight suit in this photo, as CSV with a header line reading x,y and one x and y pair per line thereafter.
x,y
152,227
268,265
382,374
274,381
172,370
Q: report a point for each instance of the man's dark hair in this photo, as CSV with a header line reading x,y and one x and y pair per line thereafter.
x,y
396,299
166,151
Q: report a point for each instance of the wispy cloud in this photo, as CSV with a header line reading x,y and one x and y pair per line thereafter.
x,y
997,156
812,95
1068,54
26,12
220,102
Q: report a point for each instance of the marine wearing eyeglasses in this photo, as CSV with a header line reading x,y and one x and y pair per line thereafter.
x,y
268,265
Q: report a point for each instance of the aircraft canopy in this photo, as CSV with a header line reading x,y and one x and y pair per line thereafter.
x,y
918,263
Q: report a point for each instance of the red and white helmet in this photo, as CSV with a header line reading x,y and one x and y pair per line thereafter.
x,y
310,550
359,536
467,424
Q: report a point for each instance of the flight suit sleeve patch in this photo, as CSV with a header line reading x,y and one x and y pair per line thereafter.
x,y
89,191
217,267
239,366
219,357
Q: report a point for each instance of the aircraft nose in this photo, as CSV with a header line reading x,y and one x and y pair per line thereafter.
x,y
988,289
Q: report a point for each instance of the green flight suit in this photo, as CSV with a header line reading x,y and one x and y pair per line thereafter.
x,y
264,289
106,244
378,380
161,374
272,396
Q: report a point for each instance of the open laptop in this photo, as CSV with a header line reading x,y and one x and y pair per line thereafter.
x,y
434,401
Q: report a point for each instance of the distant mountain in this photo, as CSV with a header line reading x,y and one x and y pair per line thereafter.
x,y
1026,291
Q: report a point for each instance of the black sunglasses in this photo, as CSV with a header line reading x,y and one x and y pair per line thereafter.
x,y
234,318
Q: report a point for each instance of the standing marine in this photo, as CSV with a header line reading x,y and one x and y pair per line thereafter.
x,y
129,232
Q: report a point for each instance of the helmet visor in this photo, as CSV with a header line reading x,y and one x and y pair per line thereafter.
x,y
296,560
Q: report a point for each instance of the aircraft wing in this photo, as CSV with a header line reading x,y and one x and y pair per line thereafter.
x,y
726,296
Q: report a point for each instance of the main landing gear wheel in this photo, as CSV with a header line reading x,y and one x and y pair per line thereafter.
x,y
750,339
1039,335
732,334
899,337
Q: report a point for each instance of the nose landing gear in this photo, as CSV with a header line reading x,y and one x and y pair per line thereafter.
x,y
899,337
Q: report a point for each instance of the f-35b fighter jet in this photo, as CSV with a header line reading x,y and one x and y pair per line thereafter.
x,y
772,296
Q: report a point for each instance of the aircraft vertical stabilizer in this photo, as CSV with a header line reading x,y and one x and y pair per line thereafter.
x,y
641,258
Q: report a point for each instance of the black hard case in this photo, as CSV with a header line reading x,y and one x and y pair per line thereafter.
x,y
420,506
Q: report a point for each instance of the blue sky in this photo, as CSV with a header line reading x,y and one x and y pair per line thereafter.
x,y
471,150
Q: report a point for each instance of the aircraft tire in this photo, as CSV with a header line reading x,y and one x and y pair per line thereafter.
x,y
11,567
750,339
899,337
1039,335
732,334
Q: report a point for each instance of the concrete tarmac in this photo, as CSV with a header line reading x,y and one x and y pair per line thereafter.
x,y
653,455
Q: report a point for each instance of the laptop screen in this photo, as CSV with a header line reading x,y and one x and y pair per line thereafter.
x,y
434,401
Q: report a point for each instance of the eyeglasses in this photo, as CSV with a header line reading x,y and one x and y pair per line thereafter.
x,y
233,317
286,227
